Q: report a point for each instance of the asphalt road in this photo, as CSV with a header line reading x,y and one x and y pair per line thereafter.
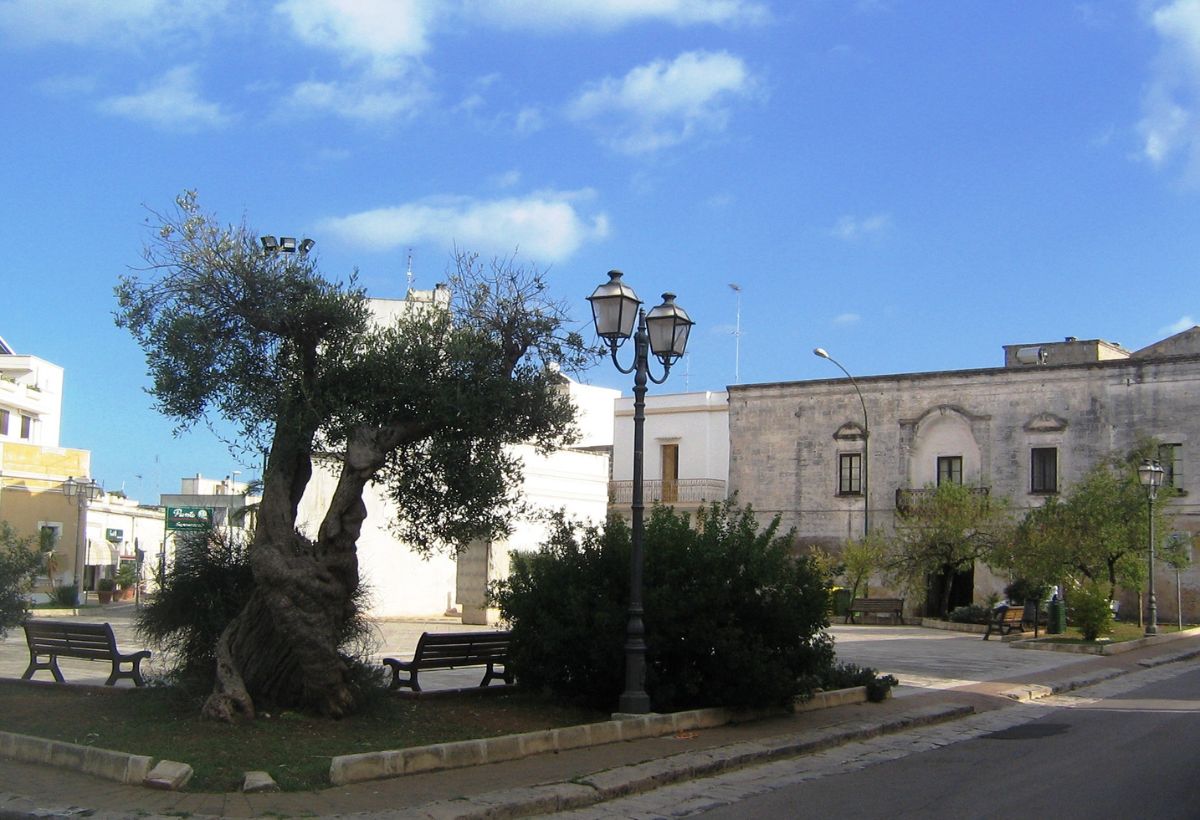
x,y
1125,748
1130,755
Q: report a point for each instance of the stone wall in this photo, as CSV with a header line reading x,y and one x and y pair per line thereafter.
x,y
784,454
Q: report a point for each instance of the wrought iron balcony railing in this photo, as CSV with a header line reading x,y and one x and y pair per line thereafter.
x,y
678,491
905,498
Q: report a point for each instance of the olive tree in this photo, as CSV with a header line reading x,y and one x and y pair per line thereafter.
x,y
944,531
425,407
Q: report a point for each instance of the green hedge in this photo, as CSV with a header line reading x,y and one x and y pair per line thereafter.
x,y
732,618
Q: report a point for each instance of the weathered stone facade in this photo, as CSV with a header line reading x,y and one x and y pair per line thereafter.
x,y
786,438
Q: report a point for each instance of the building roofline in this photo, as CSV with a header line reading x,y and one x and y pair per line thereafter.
x,y
1132,362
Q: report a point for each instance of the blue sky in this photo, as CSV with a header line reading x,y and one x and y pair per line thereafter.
x,y
910,185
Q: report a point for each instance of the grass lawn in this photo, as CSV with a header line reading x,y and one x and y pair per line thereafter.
x,y
1122,631
295,749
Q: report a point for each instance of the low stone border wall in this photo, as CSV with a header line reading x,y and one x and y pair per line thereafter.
x,y
365,766
102,763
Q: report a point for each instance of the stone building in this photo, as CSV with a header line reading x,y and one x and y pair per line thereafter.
x,y
1024,431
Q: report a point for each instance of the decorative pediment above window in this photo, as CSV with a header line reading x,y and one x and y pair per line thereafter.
x,y
1045,423
850,431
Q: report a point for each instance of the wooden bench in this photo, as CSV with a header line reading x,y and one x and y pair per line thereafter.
x,y
1007,620
449,650
93,642
876,606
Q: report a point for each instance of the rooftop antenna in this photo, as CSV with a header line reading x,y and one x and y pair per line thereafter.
x,y
737,335
410,271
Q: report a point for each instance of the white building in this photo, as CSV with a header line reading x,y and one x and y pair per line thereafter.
x,y
685,450
405,584
30,399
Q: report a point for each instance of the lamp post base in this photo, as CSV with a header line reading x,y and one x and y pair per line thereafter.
x,y
633,703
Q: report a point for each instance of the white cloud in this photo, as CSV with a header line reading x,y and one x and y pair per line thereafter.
x,y
379,31
663,104
1170,125
546,227
851,228
1184,323
363,100
113,24
607,15
847,319
172,103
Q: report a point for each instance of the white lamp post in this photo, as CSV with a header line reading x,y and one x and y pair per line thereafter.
x,y
663,332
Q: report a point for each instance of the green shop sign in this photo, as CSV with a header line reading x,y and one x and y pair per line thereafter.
x,y
189,518
113,535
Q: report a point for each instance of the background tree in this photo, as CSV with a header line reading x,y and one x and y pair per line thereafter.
x,y
945,531
20,561
862,558
425,407
1095,533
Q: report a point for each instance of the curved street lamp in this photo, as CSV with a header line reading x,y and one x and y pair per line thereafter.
x,y
1150,473
820,351
664,332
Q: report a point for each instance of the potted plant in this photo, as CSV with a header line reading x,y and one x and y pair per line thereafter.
x,y
127,579
104,589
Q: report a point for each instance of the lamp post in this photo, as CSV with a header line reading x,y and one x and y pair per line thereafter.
x,y
1150,473
821,352
82,490
663,332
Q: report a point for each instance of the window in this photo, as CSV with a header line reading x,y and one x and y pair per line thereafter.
x,y
3,422
26,427
850,474
949,470
1043,470
1169,460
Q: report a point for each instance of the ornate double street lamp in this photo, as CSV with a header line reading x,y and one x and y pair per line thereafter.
x,y
820,351
1151,476
83,490
664,332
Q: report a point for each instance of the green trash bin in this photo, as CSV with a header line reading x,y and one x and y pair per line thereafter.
x,y
1056,621
841,601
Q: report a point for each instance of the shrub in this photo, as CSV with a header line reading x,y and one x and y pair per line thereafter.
x,y
19,563
106,585
971,614
1089,610
731,617
207,586
65,595
847,675
1023,589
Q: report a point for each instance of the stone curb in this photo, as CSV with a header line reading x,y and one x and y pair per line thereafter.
x,y
358,768
1031,691
104,763
623,781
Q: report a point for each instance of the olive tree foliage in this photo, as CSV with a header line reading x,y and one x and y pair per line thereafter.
x,y
945,531
862,558
1096,533
425,407
20,560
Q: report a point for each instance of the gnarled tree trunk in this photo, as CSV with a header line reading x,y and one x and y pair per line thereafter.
x,y
283,648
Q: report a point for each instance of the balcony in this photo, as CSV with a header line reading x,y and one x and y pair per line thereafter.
x,y
905,498
693,491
